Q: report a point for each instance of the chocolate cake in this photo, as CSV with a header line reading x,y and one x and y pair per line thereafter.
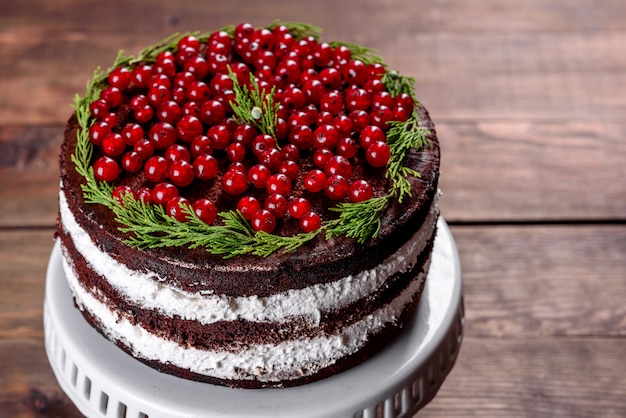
x,y
249,207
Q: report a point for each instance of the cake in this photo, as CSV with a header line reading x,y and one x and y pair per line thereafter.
x,y
249,207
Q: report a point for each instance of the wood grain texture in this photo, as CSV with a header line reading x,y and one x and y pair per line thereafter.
x,y
535,61
546,377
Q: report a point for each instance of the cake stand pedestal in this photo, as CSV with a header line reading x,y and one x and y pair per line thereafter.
x,y
104,381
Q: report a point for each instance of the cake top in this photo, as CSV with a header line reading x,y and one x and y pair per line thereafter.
x,y
248,141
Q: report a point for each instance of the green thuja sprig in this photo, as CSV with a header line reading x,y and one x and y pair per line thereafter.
x,y
397,84
402,137
255,106
359,52
299,30
360,220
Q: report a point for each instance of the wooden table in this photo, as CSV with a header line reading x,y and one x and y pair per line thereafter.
x,y
529,98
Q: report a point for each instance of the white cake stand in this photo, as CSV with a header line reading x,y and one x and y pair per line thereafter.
x,y
104,381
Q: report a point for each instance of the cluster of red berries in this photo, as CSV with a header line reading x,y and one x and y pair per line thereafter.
x,y
172,121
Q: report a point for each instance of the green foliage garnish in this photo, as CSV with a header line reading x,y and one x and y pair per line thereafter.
x,y
255,107
149,226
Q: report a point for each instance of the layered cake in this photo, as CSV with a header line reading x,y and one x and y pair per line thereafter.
x,y
250,207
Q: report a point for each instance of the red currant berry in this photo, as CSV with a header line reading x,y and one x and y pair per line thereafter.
x,y
189,127
132,133
322,54
144,194
141,75
377,154
106,169
219,42
336,187
263,220
338,165
120,193
347,147
281,129
325,136
244,134
343,124
220,136
315,180
166,66
163,193
138,102
289,152
293,98
262,143
248,206
205,167
198,91
169,111
183,79
310,222
321,157
357,99
162,135
277,204
271,158
212,112
288,71
355,72
198,66
201,145
218,63
341,55
144,114
278,183
205,210
177,152
376,71
174,208
234,182
371,134
360,119
112,96
235,152
265,60
330,78
98,108
258,175
155,169
191,108
400,114
405,101
373,86
290,169
98,131
301,137
113,144
144,148
132,162
382,98
111,119
332,102
120,78
360,190
298,207
380,116
158,94
324,118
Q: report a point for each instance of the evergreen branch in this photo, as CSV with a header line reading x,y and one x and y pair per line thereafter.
x,y
401,138
397,84
359,52
255,107
360,221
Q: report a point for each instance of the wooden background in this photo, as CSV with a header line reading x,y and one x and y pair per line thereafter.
x,y
529,98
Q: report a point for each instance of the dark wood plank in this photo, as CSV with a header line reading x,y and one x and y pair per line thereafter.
x,y
544,280
28,387
521,61
23,262
29,175
542,377
533,171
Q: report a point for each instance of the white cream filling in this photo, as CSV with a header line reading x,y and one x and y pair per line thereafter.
x,y
148,290
265,362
